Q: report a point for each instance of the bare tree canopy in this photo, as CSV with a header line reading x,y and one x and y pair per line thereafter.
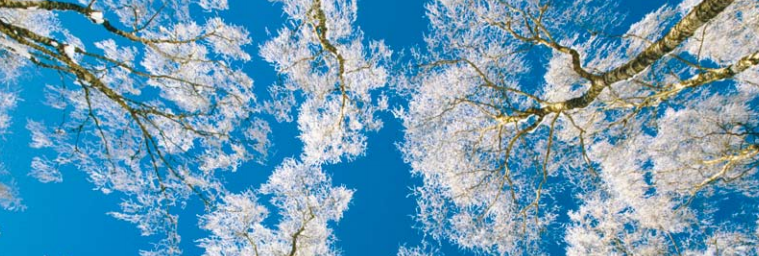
x,y
647,130
529,123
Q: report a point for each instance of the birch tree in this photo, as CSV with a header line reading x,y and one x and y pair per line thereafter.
x,y
151,110
648,131
307,202
329,75
529,122
322,58
156,109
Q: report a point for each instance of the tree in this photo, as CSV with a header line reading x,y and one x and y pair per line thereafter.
x,y
162,104
646,131
631,142
307,202
151,110
322,58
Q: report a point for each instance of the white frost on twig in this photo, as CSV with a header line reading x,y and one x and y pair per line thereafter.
x,y
97,17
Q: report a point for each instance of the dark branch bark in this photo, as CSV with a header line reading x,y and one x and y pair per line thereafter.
x,y
321,32
86,10
23,36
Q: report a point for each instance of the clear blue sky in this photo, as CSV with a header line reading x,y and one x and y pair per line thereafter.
x,y
69,218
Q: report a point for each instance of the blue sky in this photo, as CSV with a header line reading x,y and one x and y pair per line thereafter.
x,y
69,218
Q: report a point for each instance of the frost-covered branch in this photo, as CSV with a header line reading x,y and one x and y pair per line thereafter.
x,y
617,123
306,201
154,111
322,56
